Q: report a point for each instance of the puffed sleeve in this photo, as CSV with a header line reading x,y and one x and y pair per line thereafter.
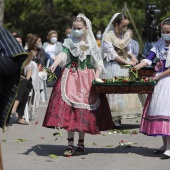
x,y
63,55
109,52
150,58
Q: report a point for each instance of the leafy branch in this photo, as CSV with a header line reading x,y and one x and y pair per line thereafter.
x,y
51,75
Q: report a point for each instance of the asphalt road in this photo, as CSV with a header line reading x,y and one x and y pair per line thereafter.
x,y
103,152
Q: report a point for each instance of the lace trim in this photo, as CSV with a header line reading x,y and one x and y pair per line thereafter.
x,y
119,43
74,104
79,49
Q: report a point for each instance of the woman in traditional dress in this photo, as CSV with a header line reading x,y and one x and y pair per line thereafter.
x,y
116,52
156,114
74,104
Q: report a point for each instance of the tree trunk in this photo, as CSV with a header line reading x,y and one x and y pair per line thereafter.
x,y
1,12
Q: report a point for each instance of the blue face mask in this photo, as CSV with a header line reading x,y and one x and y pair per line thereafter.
x,y
68,35
166,37
78,33
98,36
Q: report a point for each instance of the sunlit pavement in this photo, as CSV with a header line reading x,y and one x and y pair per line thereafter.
x,y
103,152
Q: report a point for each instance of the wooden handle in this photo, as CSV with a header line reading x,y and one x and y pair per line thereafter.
x,y
1,161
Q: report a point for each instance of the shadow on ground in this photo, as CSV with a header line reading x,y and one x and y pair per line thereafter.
x,y
45,150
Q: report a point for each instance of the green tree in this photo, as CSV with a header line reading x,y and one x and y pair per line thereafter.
x,y
1,12
40,16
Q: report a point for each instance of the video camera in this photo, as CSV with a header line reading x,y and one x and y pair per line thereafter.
x,y
152,31
151,9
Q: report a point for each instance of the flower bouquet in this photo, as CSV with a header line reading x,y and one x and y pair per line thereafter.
x,y
125,85
51,75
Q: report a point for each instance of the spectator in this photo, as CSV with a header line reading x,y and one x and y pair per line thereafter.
x,y
23,90
99,37
27,39
134,45
34,44
22,95
68,31
19,39
53,48
14,32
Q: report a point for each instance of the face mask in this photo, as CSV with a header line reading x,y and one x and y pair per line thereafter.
x,y
39,45
53,40
68,35
78,33
166,37
98,36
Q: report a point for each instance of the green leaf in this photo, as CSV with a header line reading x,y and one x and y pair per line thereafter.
x,y
4,140
109,146
54,134
60,134
94,143
53,156
19,140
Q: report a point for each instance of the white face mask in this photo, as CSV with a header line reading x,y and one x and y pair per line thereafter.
x,y
68,35
53,40
78,33
166,37
39,45
98,36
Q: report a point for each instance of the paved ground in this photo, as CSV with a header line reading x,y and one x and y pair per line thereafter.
x,y
103,151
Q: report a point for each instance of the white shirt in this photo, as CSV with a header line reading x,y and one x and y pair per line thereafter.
x,y
50,49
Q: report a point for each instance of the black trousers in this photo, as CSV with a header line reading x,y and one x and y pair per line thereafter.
x,y
22,95
8,66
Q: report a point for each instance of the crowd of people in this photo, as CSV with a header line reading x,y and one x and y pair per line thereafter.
x,y
74,104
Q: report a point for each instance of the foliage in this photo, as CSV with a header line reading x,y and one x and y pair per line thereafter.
x,y
40,16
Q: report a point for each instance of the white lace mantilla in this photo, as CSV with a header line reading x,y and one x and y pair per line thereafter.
x,y
71,103
82,49
78,49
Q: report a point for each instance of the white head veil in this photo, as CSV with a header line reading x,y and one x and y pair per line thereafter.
x,y
95,51
108,28
110,25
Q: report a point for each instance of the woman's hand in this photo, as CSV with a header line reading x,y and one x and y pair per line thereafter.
x,y
97,74
53,67
157,78
132,63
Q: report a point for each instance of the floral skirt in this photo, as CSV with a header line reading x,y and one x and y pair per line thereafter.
x,y
61,114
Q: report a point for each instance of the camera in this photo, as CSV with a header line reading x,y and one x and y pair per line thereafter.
x,y
152,31
151,9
